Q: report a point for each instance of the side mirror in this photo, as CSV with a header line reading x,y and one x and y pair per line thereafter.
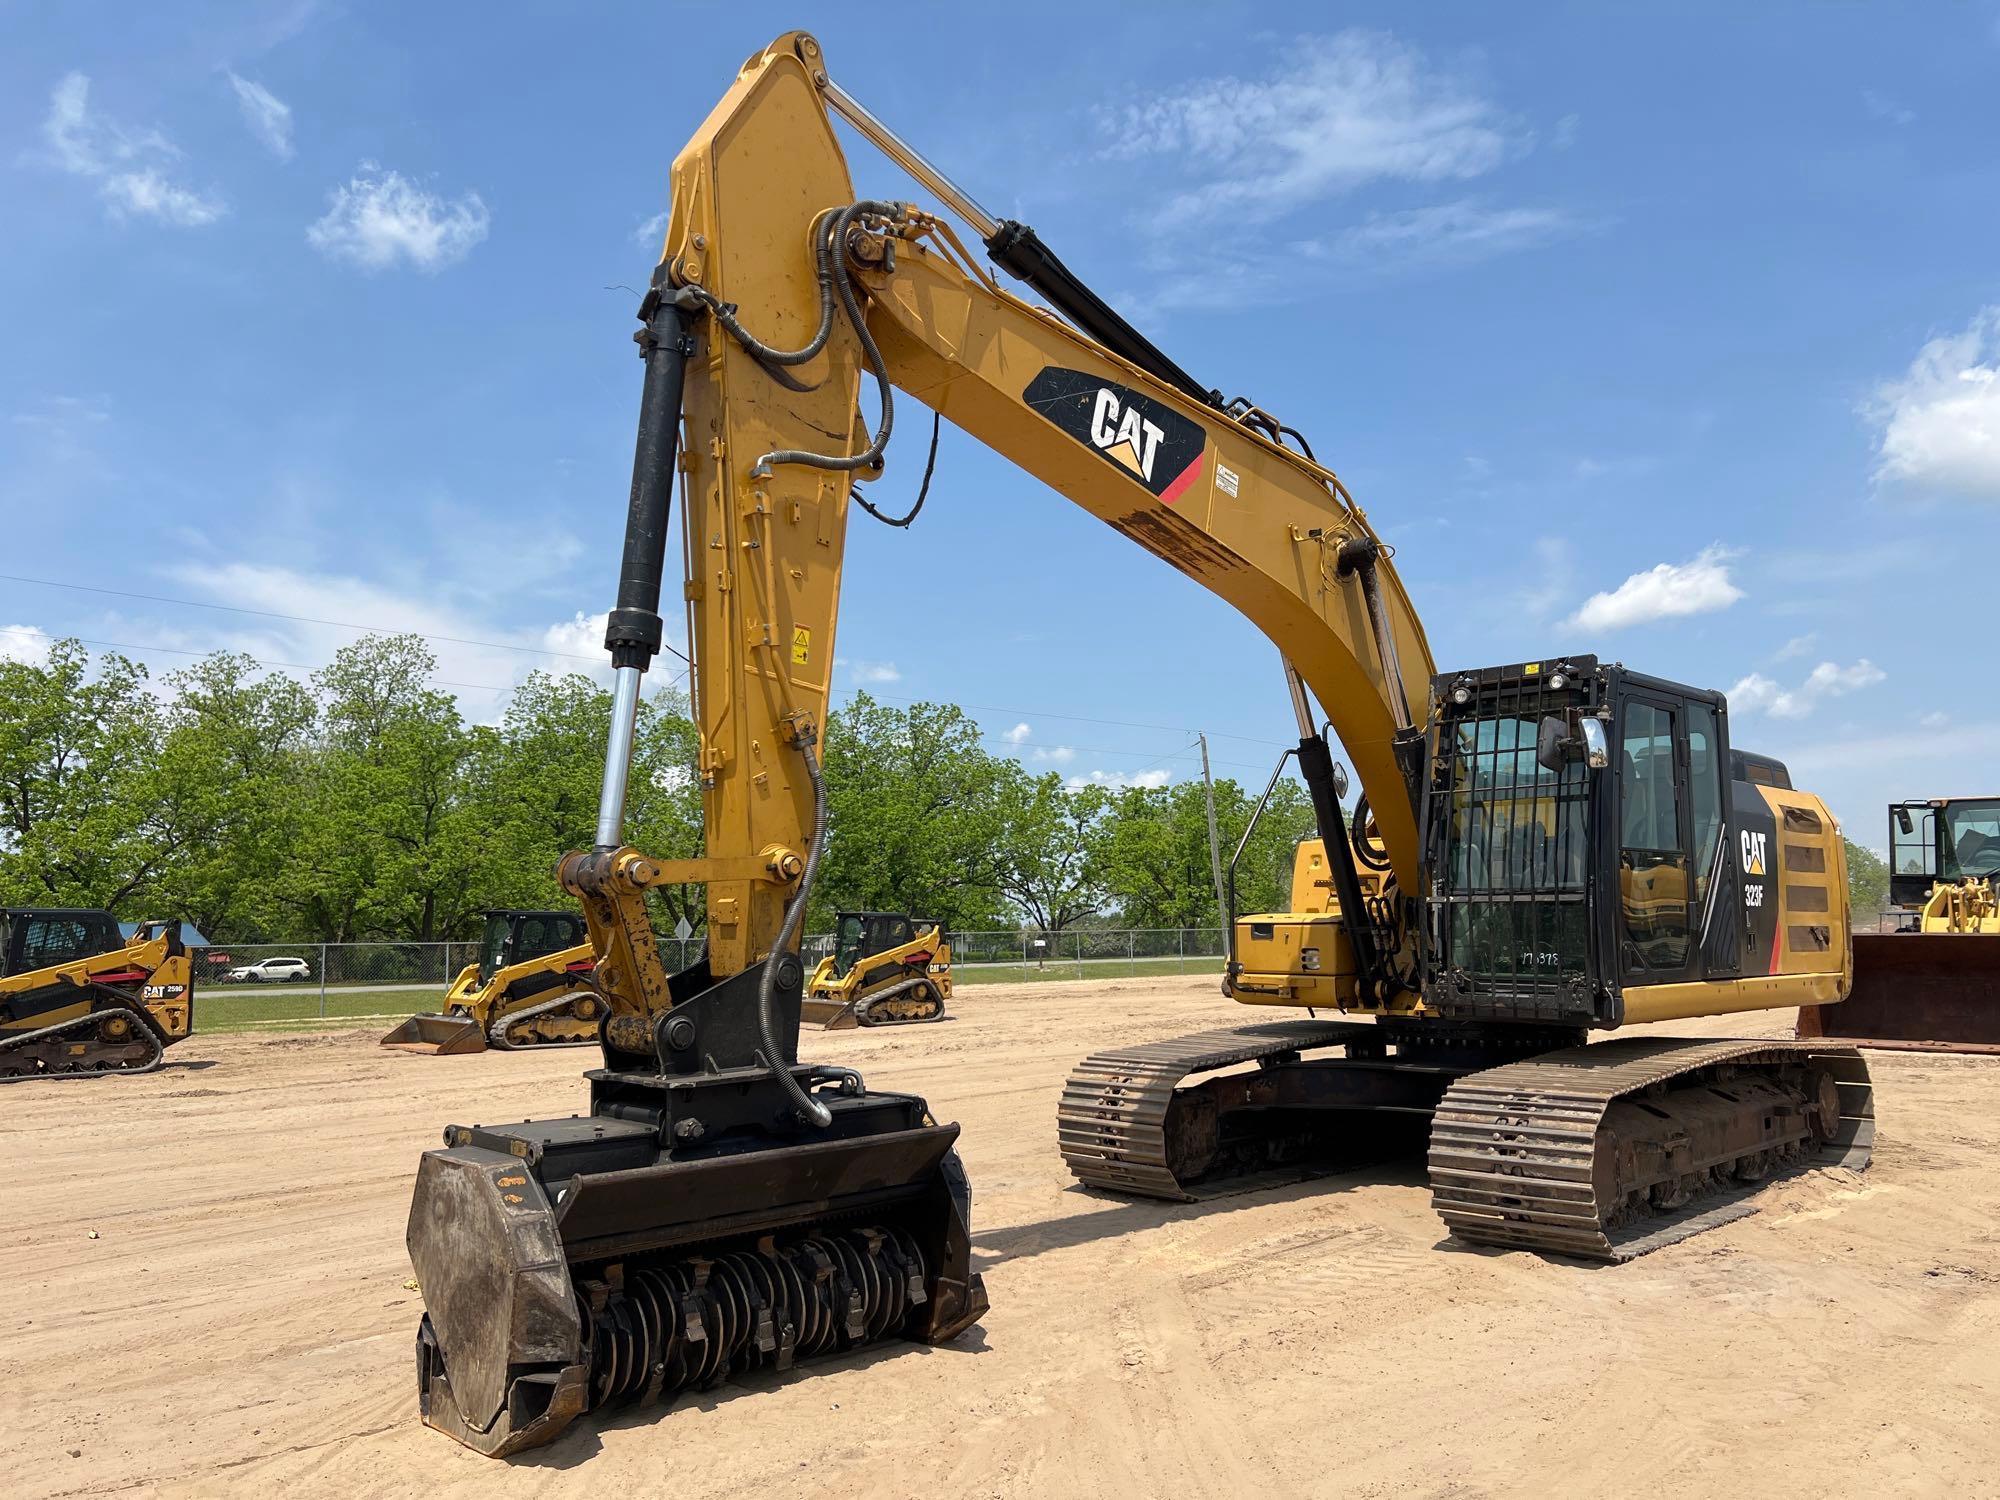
x,y
1553,744
1339,782
1596,744
1903,821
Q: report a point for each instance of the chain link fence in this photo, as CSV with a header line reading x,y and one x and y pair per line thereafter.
x,y
251,983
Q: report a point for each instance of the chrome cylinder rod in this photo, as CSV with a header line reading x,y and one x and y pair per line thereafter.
x,y
911,160
626,682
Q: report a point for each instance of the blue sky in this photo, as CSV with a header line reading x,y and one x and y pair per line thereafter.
x,y
1675,337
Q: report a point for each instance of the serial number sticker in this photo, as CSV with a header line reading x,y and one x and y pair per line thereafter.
x,y
1225,479
802,642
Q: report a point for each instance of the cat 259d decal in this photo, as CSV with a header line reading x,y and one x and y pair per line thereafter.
x,y
1151,441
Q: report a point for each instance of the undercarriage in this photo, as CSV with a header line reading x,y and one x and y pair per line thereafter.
x,y
1535,1140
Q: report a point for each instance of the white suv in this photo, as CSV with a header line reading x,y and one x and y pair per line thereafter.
x,y
275,969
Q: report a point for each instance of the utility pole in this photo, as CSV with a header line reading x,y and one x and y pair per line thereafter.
x,y
1214,844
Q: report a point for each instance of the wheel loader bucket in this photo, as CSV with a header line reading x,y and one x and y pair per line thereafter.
x,y
1917,991
443,1036
574,1265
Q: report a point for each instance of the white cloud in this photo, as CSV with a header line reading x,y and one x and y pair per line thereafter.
x,y
1662,592
651,231
1798,645
1052,755
1340,111
881,672
28,644
379,218
1565,132
1018,734
1114,780
1453,232
64,416
1882,107
133,172
580,635
477,660
268,116
1941,421
1760,694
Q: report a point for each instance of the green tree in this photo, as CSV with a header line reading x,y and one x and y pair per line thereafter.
x,y
222,795
536,781
1051,849
76,749
387,846
1867,884
1155,853
917,816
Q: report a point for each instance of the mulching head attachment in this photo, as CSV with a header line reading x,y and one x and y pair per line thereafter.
x,y
1917,991
573,1265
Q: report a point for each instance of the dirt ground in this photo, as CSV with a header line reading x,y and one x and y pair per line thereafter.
x,y
207,1295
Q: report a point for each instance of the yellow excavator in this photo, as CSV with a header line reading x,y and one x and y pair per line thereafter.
x,y
78,998
1565,846
531,986
1932,985
885,970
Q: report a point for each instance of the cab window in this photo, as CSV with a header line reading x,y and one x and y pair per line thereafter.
x,y
1653,866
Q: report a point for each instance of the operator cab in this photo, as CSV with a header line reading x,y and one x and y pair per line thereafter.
x,y
514,937
1578,820
1947,839
858,934
41,937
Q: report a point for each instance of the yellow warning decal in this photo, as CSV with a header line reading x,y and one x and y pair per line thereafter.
x,y
802,644
1532,669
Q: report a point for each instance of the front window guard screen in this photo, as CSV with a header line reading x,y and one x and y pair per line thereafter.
x,y
1516,857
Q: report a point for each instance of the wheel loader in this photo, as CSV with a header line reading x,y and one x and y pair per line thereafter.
x,y
79,999
1565,845
531,986
885,970
1933,984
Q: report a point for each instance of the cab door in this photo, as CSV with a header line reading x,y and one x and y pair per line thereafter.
x,y
1676,915
1654,893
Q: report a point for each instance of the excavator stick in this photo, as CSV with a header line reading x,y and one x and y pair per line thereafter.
x,y
1919,992
438,1035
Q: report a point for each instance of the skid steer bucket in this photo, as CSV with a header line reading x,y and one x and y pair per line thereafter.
x,y
572,1265
444,1036
1917,991
828,1015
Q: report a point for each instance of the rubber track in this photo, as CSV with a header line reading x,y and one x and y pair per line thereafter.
x,y
1512,1147
864,1007
1111,1123
496,1032
42,1034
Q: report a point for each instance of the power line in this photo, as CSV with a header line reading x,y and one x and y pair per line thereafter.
x,y
299,666
1043,713
272,614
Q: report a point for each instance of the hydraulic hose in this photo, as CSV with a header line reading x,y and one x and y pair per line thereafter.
x,y
843,285
772,1056
725,313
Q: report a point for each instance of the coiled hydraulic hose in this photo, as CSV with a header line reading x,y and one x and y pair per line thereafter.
x,y
770,354
772,1056
843,285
